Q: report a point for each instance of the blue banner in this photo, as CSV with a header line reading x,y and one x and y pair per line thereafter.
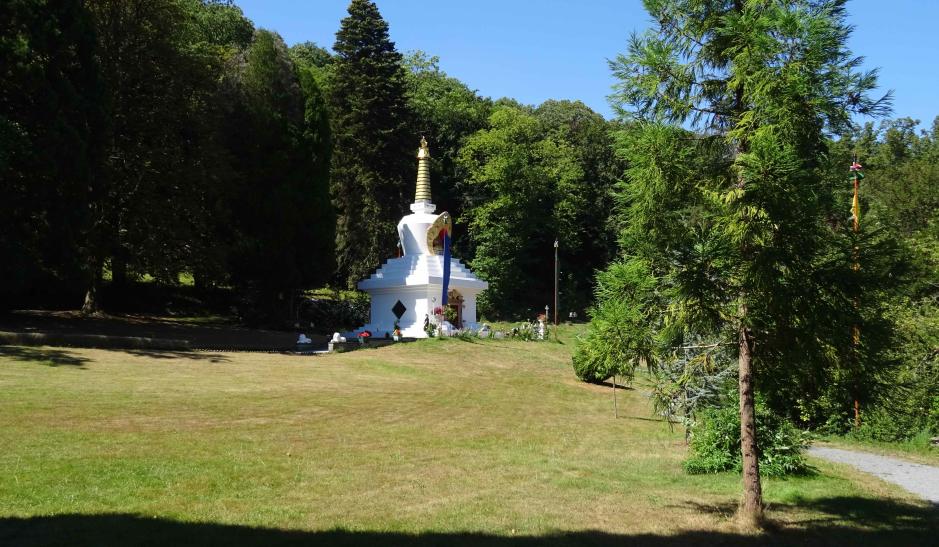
x,y
446,266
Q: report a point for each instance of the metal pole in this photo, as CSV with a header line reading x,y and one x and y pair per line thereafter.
x,y
855,331
556,273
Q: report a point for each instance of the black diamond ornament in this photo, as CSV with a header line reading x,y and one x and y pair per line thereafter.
x,y
398,309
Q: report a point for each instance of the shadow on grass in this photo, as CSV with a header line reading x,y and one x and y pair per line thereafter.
x,y
853,521
172,354
619,386
47,357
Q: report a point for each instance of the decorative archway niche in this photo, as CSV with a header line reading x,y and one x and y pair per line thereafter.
x,y
455,302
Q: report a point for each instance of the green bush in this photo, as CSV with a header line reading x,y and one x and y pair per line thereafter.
x,y
891,426
715,443
590,358
933,421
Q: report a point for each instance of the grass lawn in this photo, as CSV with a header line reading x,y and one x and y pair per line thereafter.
x,y
437,442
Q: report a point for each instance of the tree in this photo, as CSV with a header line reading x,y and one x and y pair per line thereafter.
x,y
282,221
373,159
311,58
50,123
146,202
523,191
589,135
738,258
446,112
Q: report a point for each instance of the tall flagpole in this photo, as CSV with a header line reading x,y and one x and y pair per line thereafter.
x,y
556,275
855,330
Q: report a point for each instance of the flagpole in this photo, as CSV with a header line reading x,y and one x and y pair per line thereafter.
x,y
556,274
855,330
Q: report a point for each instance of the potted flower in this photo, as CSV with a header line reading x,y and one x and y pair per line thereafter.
x,y
364,336
397,332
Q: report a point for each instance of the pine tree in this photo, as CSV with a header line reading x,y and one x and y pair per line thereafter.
x,y
373,153
730,226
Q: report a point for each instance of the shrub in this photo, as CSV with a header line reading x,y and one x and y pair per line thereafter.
x,y
330,311
715,443
590,360
933,421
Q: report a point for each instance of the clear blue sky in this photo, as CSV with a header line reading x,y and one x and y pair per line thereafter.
x,y
554,49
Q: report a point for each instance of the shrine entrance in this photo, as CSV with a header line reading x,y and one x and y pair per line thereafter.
x,y
455,305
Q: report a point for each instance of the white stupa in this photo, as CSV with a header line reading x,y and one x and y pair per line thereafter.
x,y
407,289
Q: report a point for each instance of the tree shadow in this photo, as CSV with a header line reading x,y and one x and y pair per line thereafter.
x,y
609,383
854,521
211,357
842,512
47,357
648,419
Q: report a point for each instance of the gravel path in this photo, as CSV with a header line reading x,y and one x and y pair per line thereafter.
x,y
922,480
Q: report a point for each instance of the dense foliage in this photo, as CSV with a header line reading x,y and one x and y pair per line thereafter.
x,y
526,186
899,198
158,138
280,176
203,149
715,443
50,102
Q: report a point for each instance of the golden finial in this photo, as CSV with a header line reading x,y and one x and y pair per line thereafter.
x,y
423,151
423,173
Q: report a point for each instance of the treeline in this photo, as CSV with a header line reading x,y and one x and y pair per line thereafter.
x,y
158,138
154,139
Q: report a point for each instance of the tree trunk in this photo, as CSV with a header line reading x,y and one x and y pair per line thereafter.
x,y
90,306
751,507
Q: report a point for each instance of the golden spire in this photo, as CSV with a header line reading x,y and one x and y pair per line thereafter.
x,y
423,173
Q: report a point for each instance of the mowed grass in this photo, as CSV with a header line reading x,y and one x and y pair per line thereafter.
x,y
432,442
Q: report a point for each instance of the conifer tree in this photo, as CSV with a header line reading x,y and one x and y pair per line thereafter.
x,y
373,152
727,229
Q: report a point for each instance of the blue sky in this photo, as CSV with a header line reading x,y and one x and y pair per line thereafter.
x,y
551,49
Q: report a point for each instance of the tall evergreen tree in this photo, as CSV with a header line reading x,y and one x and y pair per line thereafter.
x,y
732,230
373,154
